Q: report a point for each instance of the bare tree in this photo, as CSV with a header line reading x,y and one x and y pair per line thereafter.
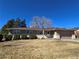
x,y
45,23
35,22
40,22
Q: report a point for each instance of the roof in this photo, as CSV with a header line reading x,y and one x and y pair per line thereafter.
x,y
47,29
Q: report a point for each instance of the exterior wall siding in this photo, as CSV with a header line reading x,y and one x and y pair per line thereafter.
x,y
63,34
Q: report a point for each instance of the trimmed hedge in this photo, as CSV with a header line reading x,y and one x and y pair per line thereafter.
x,y
17,37
24,36
8,37
1,37
33,36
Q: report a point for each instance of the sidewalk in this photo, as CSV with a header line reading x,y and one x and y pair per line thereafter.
x,y
73,40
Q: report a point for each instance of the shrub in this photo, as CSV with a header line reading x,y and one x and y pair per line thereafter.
x,y
1,37
24,36
17,37
8,37
33,36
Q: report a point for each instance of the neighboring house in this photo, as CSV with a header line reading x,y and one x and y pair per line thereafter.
x,y
55,33
77,33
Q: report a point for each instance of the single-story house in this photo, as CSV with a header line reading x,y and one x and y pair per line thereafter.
x,y
46,32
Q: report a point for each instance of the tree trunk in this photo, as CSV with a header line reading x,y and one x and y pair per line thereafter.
x,y
43,33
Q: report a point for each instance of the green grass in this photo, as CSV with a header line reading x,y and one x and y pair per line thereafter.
x,y
39,49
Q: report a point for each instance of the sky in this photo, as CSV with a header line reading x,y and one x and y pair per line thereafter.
x,y
63,13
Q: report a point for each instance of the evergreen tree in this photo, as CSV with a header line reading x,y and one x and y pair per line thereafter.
x,y
17,23
23,23
10,23
3,30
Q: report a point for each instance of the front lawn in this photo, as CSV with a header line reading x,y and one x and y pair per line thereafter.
x,y
39,49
